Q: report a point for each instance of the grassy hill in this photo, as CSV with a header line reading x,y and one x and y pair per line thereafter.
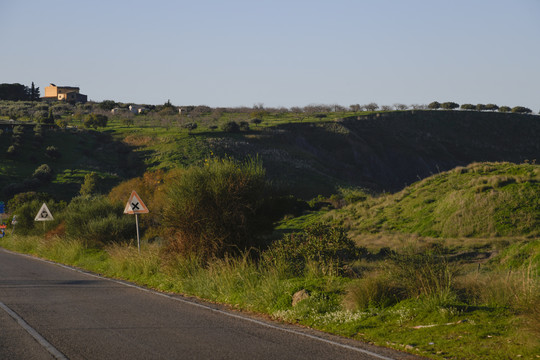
x,y
480,200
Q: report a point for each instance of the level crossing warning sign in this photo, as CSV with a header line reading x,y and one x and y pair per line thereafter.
x,y
135,205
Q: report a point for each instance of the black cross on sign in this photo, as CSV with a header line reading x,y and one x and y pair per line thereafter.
x,y
44,214
135,206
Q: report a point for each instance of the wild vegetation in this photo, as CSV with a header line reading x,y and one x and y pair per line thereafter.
x,y
445,267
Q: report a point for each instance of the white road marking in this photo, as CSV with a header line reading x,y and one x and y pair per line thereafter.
x,y
192,303
40,339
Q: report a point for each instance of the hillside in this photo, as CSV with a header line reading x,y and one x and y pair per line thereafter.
x,y
480,200
69,153
384,151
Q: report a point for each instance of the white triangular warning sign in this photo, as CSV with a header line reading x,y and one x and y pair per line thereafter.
x,y
44,214
135,205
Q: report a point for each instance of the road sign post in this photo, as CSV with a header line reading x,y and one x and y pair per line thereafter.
x,y
135,206
14,222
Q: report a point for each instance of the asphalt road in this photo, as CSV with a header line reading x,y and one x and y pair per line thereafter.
x,y
49,311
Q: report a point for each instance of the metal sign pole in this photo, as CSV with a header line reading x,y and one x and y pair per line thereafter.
x,y
137,224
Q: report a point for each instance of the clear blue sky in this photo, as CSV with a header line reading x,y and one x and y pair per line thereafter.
x,y
277,52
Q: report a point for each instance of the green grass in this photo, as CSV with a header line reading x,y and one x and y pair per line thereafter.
x,y
438,328
480,200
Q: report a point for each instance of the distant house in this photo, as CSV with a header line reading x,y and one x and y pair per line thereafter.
x,y
137,109
64,93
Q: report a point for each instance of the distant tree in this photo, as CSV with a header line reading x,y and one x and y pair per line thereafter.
x,y
128,121
355,107
43,173
52,152
62,123
190,126
34,93
89,185
320,116
401,107
371,106
107,104
95,121
491,107
419,106
18,130
338,108
449,105
521,110
505,109
480,107
14,92
256,121
259,113
12,150
434,105
386,107
231,127
468,107
244,126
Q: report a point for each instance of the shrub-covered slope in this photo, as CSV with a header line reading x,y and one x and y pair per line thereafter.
x,y
69,155
480,200
384,151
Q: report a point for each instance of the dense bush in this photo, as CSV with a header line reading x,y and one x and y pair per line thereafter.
x,y
231,126
327,246
52,152
244,126
95,121
218,208
43,173
98,221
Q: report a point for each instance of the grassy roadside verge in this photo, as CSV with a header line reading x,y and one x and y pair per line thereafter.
x,y
438,328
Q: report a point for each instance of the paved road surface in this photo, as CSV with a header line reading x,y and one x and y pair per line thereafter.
x,y
49,311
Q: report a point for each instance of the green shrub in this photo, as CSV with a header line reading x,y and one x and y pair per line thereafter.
x,y
231,126
244,126
98,221
12,150
218,208
43,173
52,152
323,244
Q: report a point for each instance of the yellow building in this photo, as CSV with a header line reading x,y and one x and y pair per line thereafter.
x,y
64,93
